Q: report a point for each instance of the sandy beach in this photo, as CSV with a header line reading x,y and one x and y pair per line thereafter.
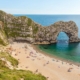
x,y
52,68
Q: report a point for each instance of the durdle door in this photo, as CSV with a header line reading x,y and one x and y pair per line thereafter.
x,y
24,29
49,34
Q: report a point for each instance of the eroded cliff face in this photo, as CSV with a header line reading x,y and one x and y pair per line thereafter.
x,y
23,28
18,28
49,34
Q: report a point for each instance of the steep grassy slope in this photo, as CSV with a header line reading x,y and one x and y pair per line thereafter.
x,y
20,74
8,74
9,58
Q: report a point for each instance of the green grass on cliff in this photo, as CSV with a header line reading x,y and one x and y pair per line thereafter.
x,y
6,30
11,33
20,74
8,74
2,65
2,42
29,22
35,30
3,38
9,58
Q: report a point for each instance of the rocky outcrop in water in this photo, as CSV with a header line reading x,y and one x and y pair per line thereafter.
x,y
24,29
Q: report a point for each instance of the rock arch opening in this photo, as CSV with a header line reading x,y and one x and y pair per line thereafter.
x,y
62,37
62,41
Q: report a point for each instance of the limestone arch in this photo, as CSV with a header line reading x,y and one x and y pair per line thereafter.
x,y
64,33
70,35
70,28
48,34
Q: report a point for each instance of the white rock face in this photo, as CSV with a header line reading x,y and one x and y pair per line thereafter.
x,y
49,34
24,29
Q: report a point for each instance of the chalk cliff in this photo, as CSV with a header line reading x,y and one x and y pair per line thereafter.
x,y
49,34
23,28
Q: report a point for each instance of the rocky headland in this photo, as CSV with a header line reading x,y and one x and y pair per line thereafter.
x,y
24,29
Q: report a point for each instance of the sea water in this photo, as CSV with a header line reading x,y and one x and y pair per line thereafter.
x,y
62,49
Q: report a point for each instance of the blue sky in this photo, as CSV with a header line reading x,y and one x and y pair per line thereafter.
x,y
40,6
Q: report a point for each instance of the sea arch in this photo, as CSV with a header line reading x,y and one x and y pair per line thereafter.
x,y
62,36
48,35
70,28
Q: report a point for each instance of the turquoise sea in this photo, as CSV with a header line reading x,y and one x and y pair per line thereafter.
x,y
61,49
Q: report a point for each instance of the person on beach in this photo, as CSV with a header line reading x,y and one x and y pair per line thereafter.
x,y
69,70
27,57
47,77
47,62
26,66
57,61
58,66
36,70
15,54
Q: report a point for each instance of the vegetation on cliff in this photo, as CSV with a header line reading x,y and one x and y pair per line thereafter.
x,y
9,58
23,28
13,74
3,38
8,74
19,27
13,27
29,22
35,28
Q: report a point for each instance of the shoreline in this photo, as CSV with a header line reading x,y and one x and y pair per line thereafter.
x,y
54,57
33,59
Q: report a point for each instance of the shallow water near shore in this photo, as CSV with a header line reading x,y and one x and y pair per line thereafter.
x,y
69,51
63,49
